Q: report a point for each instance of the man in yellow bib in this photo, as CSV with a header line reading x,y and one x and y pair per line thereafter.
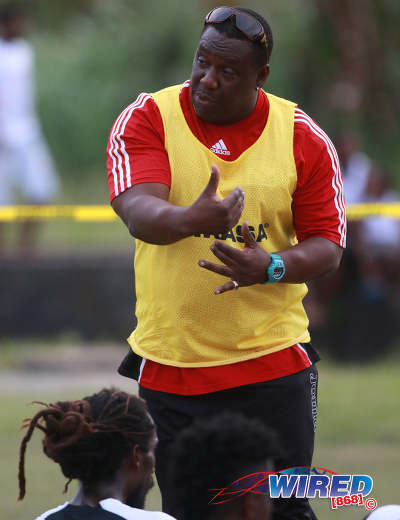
x,y
222,259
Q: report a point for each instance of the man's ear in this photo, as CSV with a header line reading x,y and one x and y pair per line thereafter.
x,y
134,459
262,75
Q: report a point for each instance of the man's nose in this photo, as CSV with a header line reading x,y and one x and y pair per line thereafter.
x,y
209,79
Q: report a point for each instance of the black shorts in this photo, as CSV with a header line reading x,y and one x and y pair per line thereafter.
x,y
287,405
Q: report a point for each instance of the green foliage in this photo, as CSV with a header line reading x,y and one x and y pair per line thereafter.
x,y
95,56
97,64
101,58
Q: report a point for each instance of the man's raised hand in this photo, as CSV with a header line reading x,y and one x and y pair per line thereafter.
x,y
211,214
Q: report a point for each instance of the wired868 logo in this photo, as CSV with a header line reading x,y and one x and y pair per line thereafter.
x,y
300,482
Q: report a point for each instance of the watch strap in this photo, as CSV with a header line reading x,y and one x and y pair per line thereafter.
x,y
276,269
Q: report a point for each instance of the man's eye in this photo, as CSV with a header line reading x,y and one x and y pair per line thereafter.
x,y
201,60
229,72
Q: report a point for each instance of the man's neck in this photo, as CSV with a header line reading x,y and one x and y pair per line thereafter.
x,y
94,496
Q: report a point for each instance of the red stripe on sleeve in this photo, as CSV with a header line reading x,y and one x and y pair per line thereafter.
x,y
135,149
318,202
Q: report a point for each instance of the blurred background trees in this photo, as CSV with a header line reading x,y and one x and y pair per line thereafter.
x,y
337,58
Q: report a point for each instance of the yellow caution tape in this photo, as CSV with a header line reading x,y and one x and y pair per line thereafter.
x,y
78,213
106,213
360,211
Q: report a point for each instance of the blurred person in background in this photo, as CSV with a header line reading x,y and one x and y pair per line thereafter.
x,y
218,454
373,242
26,166
107,441
232,335
366,289
379,248
356,166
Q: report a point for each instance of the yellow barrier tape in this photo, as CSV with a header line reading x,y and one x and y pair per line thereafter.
x,y
106,213
78,213
360,211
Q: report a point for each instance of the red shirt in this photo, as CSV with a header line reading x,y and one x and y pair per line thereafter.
x,y
136,154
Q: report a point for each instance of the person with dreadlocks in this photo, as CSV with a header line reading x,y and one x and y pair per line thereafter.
x,y
107,442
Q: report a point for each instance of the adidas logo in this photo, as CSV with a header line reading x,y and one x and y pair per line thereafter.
x,y
220,148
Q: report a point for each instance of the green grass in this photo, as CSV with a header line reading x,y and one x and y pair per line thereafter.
x,y
358,432
377,459
359,429
360,402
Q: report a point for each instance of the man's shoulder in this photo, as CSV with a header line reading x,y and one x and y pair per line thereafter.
x,y
307,130
142,109
280,101
109,509
50,512
171,91
131,513
301,119
147,101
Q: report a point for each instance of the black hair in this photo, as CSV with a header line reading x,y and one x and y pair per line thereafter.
x,y
90,437
262,54
211,455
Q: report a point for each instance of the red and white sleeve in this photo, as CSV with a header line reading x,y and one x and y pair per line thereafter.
x,y
318,202
135,148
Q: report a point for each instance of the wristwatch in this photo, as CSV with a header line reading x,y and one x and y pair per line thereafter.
x,y
276,269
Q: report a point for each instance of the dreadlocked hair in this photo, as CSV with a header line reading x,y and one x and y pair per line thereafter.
x,y
90,437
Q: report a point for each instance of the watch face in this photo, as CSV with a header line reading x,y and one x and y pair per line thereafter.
x,y
278,272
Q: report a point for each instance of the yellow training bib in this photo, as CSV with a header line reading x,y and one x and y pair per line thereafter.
x,y
180,320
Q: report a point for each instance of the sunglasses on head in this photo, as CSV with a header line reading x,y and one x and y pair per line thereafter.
x,y
245,23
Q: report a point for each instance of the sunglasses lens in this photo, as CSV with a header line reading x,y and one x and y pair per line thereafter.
x,y
219,15
250,27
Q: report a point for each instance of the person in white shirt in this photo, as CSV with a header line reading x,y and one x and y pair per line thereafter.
x,y
379,247
27,171
356,166
106,441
